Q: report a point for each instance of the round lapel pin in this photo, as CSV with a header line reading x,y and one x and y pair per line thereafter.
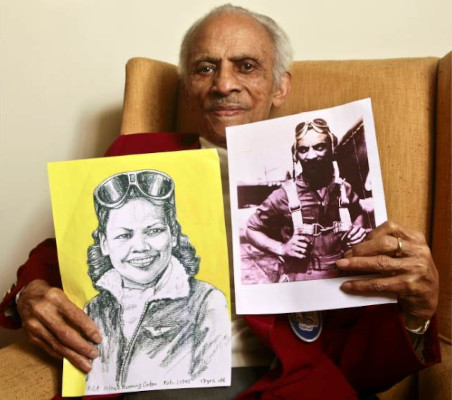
x,y
306,325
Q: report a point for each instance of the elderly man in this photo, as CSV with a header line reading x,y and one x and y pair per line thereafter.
x,y
308,221
234,68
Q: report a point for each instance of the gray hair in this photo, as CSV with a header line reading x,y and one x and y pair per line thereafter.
x,y
281,42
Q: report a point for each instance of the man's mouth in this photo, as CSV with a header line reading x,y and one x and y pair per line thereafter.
x,y
142,262
313,164
225,111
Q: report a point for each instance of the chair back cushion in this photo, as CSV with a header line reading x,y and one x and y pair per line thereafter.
x,y
403,93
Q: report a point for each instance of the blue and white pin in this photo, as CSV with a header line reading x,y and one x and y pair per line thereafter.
x,y
306,325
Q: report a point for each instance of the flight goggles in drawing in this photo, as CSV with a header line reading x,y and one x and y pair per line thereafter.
x,y
150,184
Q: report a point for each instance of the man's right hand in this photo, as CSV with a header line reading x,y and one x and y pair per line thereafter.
x,y
298,246
54,323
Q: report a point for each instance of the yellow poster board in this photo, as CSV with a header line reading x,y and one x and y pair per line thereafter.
x,y
199,208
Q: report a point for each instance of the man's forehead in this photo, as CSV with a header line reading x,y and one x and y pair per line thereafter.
x,y
232,36
312,138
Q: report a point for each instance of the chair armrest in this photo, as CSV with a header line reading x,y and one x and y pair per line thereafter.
x,y
441,230
27,372
435,382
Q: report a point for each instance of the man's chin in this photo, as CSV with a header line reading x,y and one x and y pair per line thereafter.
x,y
216,132
217,135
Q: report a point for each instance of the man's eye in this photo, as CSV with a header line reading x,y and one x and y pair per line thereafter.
x,y
302,150
205,69
247,67
320,147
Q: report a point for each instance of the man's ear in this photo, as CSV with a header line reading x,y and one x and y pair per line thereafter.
x,y
283,89
103,244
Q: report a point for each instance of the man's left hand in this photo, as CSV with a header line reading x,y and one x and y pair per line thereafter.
x,y
411,274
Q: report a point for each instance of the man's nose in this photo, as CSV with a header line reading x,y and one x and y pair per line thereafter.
x,y
226,80
311,154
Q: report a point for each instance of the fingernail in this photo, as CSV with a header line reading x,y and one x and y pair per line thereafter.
x,y
86,365
97,338
93,354
346,286
343,262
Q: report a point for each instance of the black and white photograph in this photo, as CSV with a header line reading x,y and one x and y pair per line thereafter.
x,y
308,220
302,201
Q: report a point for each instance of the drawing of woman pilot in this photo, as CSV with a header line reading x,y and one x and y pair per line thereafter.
x,y
156,319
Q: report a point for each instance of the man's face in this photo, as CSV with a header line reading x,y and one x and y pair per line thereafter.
x,y
230,75
314,151
138,241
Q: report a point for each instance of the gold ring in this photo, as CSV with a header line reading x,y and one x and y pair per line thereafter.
x,y
399,249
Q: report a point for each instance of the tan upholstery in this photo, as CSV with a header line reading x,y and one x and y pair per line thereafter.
x,y
411,102
441,235
151,93
435,382
27,372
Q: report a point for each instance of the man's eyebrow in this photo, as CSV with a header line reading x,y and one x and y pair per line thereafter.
x,y
244,57
215,60
208,59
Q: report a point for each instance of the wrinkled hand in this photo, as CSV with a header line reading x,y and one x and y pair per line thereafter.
x,y
353,236
412,276
54,323
297,246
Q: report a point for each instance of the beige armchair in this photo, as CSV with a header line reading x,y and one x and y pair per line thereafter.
x,y
412,109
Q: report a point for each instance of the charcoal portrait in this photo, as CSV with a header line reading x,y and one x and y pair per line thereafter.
x,y
157,320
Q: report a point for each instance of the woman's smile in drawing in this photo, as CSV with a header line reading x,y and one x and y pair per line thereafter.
x,y
138,241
